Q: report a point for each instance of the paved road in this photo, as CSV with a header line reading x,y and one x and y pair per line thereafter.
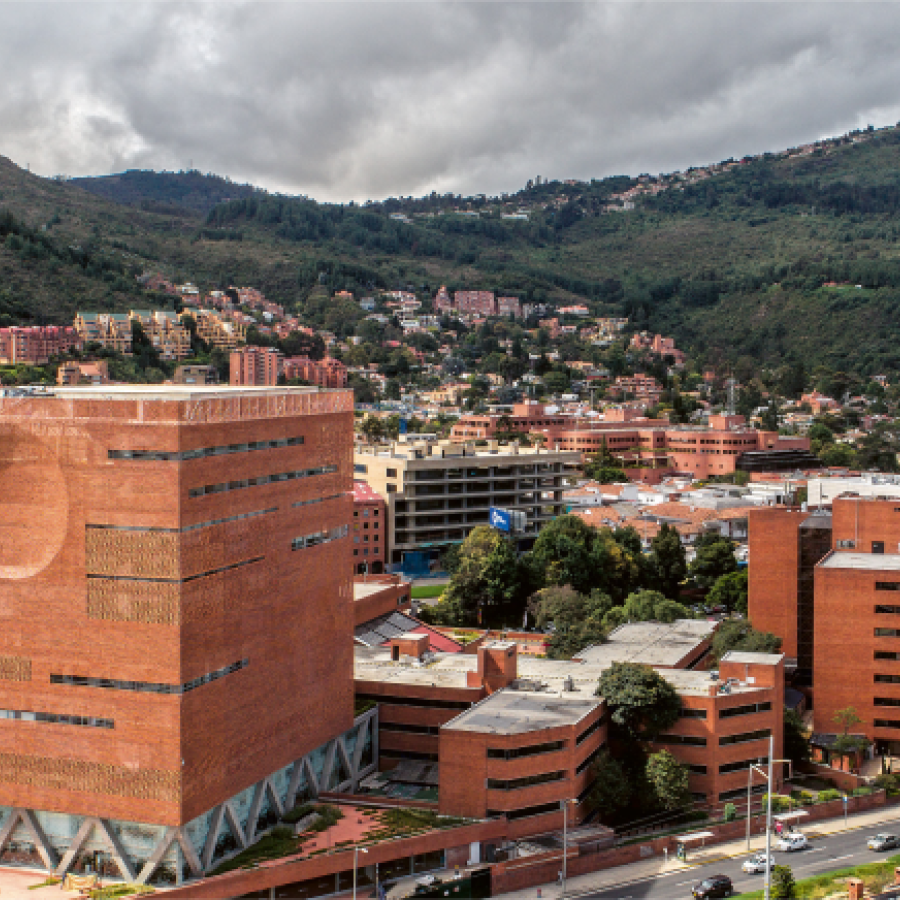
x,y
824,855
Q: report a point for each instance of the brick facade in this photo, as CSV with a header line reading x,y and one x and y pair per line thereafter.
x,y
121,560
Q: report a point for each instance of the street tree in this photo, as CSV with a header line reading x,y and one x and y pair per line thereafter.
x,y
739,634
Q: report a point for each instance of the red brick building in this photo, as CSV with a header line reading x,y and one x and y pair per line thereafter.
x,y
326,373
35,345
369,529
164,552
255,366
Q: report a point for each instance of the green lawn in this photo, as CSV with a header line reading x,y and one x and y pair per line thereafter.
x,y
423,591
875,875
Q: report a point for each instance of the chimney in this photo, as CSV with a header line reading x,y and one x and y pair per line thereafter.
x,y
409,646
497,664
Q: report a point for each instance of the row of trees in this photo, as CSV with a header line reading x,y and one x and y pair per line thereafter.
x,y
582,579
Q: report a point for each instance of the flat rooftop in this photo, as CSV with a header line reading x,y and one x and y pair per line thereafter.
x,y
169,391
519,712
746,658
881,562
651,643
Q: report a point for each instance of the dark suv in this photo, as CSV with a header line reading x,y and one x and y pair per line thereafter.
x,y
714,886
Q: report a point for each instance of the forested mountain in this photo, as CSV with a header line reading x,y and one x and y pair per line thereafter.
x,y
775,259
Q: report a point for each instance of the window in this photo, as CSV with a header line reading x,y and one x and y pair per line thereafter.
x,y
745,737
409,754
887,701
887,585
55,718
743,765
359,467
411,729
531,750
878,546
392,488
149,687
262,479
880,608
887,654
686,739
747,710
201,452
316,500
887,632
391,473
887,679
207,524
415,701
589,759
515,784
321,537
692,713
590,730
697,770
846,545
887,723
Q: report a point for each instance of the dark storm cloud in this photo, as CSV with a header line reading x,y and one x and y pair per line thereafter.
x,y
357,100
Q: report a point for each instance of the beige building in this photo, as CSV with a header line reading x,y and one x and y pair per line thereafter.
x,y
165,332
216,330
436,494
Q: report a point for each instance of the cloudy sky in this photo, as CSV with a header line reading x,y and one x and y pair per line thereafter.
x,y
363,100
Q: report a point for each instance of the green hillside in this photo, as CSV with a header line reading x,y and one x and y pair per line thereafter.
x,y
732,265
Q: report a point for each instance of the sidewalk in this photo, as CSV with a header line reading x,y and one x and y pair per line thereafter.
x,y
660,865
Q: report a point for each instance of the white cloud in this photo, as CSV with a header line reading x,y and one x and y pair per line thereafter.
x,y
358,100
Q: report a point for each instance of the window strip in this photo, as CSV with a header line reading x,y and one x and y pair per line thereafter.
x,y
56,718
260,480
237,565
149,687
207,524
202,452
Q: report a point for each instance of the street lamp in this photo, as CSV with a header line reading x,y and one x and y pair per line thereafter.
x,y
356,852
565,808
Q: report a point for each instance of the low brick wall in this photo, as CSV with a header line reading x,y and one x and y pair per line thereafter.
x,y
518,874
376,802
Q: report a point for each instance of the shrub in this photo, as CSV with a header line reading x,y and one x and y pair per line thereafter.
x,y
729,812
783,886
830,794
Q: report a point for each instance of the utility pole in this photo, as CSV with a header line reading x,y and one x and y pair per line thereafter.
x,y
769,820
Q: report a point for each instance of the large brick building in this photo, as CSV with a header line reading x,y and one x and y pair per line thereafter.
x,y
824,581
166,555
36,344
257,366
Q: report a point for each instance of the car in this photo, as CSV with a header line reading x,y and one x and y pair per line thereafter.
x,y
793,841
757,863
883,841
714,886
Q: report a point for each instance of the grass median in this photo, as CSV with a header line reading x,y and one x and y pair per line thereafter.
x,y
875,875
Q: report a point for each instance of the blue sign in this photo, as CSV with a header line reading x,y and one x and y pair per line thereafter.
x,y
501,519
402,425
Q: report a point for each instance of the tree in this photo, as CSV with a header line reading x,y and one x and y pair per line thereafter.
x,y
577,619
604,467
611,791
652,606
730,591
667,560
714,556
641,702
668,780
846,719
739,634
783,885
796,745
485,586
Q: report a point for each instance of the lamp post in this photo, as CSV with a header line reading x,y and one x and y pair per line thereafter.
x,y
356,852
565,808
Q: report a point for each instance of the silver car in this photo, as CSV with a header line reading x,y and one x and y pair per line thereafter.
x,y
883,841
757,863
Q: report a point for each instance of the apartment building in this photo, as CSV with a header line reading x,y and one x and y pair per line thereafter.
x,y
94,372
196,375
165,332
255,366
326,373
35,345
111,330
369,529
436,494
217,330
164,552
